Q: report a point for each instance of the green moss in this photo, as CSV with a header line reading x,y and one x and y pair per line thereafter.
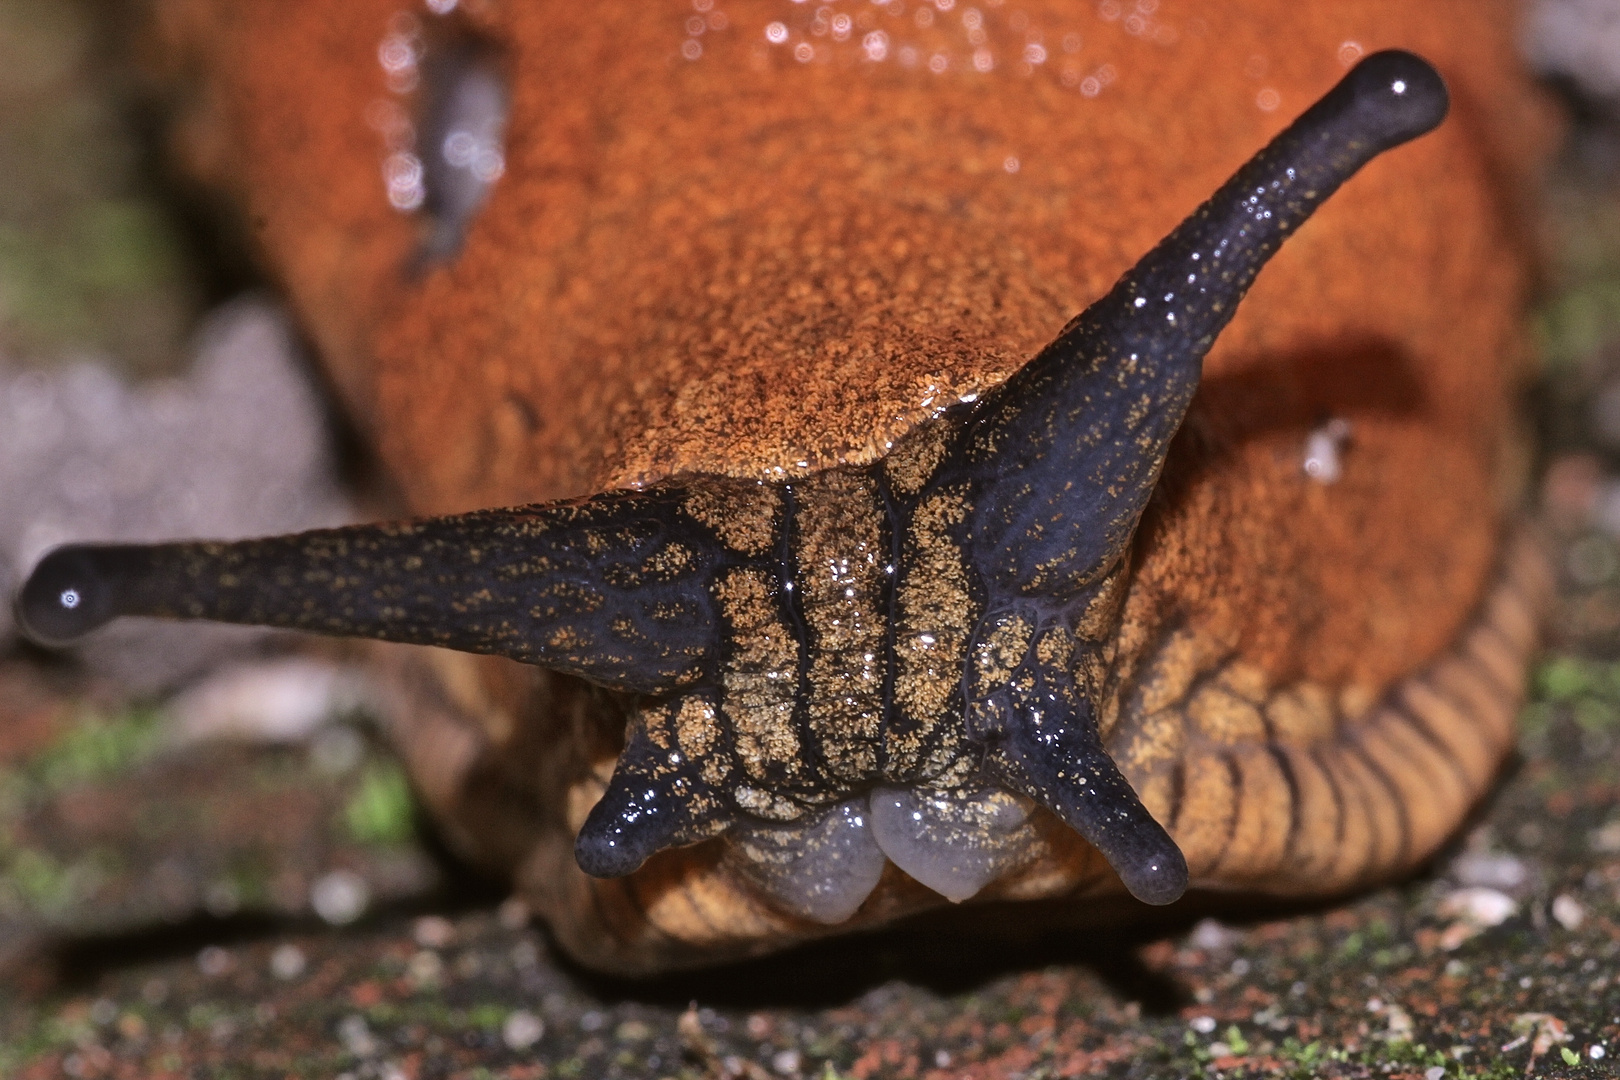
x,y
381,810
94,748
488,1017
1577,323
1592,686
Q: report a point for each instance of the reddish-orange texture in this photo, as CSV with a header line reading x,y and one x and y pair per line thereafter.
x,y
749,264
743,263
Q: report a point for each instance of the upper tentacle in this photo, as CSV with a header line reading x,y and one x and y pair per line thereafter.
x,y
1063,456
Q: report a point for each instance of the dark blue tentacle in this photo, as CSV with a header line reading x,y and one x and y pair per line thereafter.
x,y
614,589
1057,464
1063,456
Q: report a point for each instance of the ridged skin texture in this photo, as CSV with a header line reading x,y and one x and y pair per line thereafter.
x,y
749,265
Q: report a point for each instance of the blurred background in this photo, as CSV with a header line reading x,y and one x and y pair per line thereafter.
x,y
207,857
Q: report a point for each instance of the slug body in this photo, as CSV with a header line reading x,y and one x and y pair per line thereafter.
x,y
929,655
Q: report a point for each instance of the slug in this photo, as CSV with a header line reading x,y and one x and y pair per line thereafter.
x,y
1033,609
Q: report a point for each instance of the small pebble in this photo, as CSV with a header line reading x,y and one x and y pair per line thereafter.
x,y
1489,871
525,956
1605,840
1479,906
433,931
214,961
336,750
513,914
132,1026
1568,911
1434,1072
355,1035
522,1030
1202,1024
288,962
425,969
1210,934
786,1062
1323,451
1398,1024
632,1031
1219,1050
339,897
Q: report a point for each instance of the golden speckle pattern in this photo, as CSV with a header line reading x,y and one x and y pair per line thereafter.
x,y
699,735
842,561
915,458
1001,650
935,618
760,677
744,515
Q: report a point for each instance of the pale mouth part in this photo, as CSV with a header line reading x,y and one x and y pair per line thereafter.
x,y
954,842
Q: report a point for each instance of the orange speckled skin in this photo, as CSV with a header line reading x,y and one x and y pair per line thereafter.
x,y
746,264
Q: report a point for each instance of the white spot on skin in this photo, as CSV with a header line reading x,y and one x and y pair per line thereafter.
x,y
1323,451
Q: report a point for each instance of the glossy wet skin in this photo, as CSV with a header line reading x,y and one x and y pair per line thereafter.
x,y
823,661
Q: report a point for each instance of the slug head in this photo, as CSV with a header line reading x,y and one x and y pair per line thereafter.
x,y
895,662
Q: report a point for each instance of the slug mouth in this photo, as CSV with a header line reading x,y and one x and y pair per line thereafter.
x,y
954,842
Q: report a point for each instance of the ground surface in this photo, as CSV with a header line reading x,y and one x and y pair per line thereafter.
x,y
199,909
